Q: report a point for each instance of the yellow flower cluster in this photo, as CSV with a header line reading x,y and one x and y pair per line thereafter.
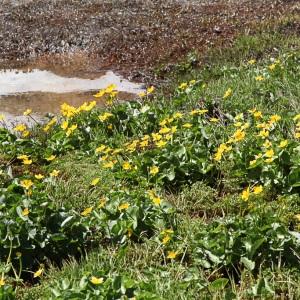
x,y
109,90
297,134
47,127
156,200
256,190
26,160
70,111
149,91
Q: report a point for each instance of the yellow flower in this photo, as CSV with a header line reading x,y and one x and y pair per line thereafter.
x,y
25,212
102,147
150,89
252,61
252,162
268,160
160,144
65,125
165,240
54,173
116,151
239,135
144,143
151,193
52,121
2,282
257,189
172,254
102,203
246,194
272,67
228,92
109,127
218,156
126,165
193,112
154,170
204,86
240,116
164,130
296,117
177,115
258,115
258,156
27,112
95,280
283,144
38,273
259,78
99,94
68,133
213,120
202,111
113,94
20,127
156,200
267,144
274,119
269,153
103,158
192,81
156,136
182,85
25,133
1,117
52,157
26,184
297,135
108,165
251,111
187,125
95,181
87,211
142,94
245,126
264,134
163,122
27,161
123,206
173,129
39,176
238,124
47,128
298,217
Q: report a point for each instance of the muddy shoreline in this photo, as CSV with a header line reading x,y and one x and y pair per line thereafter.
x,y
130,37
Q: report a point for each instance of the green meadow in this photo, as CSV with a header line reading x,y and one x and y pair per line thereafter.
x,y
190,192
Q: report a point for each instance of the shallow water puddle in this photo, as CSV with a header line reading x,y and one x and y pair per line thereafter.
x,y
44,92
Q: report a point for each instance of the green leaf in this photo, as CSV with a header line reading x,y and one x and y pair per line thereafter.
x,y
117,283
179,151
229,294
65,284
58,136
66,221
249,264
219,284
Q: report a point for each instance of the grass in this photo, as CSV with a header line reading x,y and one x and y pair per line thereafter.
x,y
140,267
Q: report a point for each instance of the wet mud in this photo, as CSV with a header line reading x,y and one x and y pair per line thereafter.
x,y
130,37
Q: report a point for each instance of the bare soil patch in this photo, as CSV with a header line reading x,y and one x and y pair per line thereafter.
x,y
131,37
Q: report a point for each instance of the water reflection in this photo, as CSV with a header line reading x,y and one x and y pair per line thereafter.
x,y
15,81
44,92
